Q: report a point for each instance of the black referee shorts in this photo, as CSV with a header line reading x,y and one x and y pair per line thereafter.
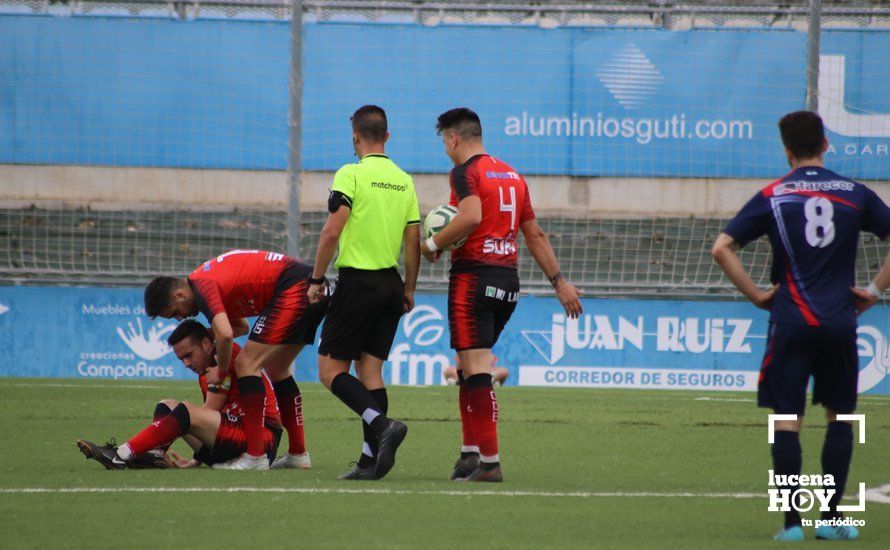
x,y
363,314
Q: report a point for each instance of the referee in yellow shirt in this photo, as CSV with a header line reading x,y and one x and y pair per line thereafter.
x,y
373,209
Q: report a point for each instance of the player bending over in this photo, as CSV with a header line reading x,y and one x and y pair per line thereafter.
x,y
215,431
493,205
813,217
229,288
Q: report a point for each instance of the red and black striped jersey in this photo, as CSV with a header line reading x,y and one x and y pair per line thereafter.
x,y
239,283
505,205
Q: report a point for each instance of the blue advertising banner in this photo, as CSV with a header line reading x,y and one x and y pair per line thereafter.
x,y
566,101
660,344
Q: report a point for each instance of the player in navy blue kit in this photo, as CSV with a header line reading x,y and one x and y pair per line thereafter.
x,y
813,218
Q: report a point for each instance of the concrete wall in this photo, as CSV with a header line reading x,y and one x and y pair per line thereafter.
x,y
114,188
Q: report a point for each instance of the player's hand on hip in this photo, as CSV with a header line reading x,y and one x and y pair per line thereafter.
x,y
864,299
569,297
316,293
408,301
764,298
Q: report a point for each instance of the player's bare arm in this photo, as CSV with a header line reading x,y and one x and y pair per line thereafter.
x,y
327,245
539,246
216,399
240,327
412,263
224,336
725,252
469,216
869,296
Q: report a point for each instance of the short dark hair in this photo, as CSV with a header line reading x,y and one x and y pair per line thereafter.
x,y
188,329
158,294
369,122
462,121
803,134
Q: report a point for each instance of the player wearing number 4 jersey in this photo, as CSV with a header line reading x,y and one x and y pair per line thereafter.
x,y
229,288
813,218
493,205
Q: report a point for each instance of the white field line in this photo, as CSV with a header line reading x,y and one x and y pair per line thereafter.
x,y
732,399
877,494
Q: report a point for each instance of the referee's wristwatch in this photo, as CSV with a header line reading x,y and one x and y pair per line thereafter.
x,y
320,281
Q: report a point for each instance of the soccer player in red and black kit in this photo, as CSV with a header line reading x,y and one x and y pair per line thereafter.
x,y
493,205
215,431
229,288
813,218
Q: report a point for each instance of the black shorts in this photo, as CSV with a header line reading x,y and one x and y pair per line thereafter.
x,y
796,352
363,314
289,318
480,302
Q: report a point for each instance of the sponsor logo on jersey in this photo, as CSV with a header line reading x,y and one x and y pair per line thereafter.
x,y
788,187
388,186
495,175
500,247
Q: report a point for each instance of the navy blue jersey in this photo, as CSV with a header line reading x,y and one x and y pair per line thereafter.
x,y
813,218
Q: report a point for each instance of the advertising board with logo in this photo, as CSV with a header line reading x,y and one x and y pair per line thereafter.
x,y
658,344
580,102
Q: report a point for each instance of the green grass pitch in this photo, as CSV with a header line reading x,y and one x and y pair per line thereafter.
x,y
583,469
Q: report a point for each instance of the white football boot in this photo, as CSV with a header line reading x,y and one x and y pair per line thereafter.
x,y
245,462
293,462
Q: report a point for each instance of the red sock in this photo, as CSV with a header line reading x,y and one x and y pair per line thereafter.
x,y
252,398
484,419
469,440
161,411
290,403
161,432
292,419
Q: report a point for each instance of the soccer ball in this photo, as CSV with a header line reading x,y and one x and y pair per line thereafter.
x,y
438,218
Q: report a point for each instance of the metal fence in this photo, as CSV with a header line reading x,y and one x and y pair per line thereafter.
x,y
77,242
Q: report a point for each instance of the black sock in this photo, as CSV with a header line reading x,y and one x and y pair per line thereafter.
x,y
836,455
382,400
787,460
478,381
181,414
250,384
161,410
285,389
353,393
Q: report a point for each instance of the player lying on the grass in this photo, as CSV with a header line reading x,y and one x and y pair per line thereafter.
x,y
215,431
813,217
493,206
453,374
229,288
